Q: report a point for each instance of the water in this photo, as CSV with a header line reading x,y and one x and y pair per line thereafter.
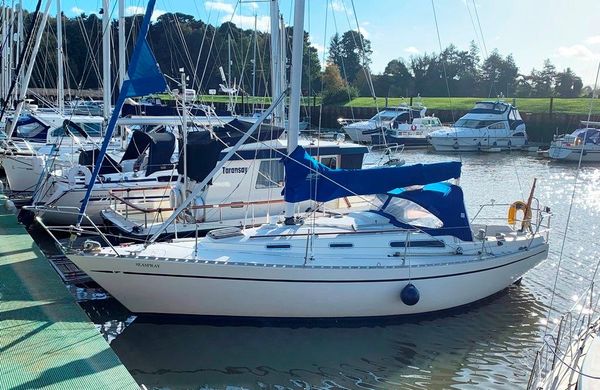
x,y
490,345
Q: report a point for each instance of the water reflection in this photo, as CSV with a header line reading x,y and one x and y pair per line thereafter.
x,y
479,344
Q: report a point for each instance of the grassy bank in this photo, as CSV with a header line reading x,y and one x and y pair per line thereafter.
x,y
533,105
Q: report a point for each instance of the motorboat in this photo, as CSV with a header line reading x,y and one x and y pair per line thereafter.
x,y
388,118
410,134
583,143
414,251
489,125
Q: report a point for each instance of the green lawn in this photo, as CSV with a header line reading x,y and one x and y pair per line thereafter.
x,y
533,105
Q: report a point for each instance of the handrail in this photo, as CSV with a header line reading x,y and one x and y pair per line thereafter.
x,y
205,206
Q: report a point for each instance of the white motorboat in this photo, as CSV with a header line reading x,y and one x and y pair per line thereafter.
x,y
414,252
583,143
489,125
410,134
388,118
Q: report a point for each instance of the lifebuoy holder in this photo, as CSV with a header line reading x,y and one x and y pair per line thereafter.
x,y
512,214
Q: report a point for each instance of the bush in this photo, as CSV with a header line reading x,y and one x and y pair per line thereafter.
x,y
339,96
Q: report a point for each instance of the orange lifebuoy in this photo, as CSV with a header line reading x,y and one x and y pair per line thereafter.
x,y
413,127
512,213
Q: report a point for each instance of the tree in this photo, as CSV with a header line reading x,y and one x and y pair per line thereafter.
x,y
498,75
397,78
350,53
335,88
567,84
542,81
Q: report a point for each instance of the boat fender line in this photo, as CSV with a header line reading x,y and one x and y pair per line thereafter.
x,y
410,295
77,171
455,146
512,213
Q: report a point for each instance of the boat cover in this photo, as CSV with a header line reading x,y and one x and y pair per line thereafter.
x,y
307,179
444,200
591,136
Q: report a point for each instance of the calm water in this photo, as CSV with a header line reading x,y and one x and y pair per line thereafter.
x,y
490,345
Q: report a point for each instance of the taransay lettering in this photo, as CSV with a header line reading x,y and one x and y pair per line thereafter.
x,y
243,170
147,265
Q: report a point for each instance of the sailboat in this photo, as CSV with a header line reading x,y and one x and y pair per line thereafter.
x,y
415,251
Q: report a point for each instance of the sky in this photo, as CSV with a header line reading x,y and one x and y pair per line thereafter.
x,y
565,31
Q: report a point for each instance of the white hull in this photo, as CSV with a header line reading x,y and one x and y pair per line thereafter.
x,y
221,288
564,153
356,134
475,144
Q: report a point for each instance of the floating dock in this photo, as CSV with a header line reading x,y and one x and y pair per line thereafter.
x,y
46,340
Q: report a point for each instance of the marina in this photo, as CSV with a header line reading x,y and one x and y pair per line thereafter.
x,y
222,228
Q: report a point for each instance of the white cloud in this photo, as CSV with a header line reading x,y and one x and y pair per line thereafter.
x,y
219,6
263,23
77,11
135,10
364,32
340,6
411,50
593,40
578,51
252,4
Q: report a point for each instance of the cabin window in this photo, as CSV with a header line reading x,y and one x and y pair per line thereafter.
x,y
270,174
497,125
410,213
330,162
278,246
341,245
93,129
418,244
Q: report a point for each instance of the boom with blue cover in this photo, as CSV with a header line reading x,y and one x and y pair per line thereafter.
x,y
143,77
306,178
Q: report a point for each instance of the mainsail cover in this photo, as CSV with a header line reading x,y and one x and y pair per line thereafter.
x,y
306,178
143,77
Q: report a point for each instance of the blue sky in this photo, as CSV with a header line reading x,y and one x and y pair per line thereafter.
x,y
565,31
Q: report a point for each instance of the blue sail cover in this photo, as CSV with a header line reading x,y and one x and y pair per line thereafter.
x,y
306,178
443,200
143,77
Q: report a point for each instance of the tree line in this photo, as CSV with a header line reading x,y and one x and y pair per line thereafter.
x,y
453,72
181,41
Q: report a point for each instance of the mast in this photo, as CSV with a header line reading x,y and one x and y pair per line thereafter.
x,y
254,62
276,86
121,42
184,129
19,40
295,91
229,60
60,83
31,64
4,16
107,95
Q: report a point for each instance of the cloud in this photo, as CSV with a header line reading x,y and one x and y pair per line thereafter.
x,y
135,10
578,51
77,11
411,50
219,6
263,23
593,40
252,4
339,6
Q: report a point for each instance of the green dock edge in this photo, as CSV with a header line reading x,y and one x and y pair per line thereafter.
x,y
46,340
